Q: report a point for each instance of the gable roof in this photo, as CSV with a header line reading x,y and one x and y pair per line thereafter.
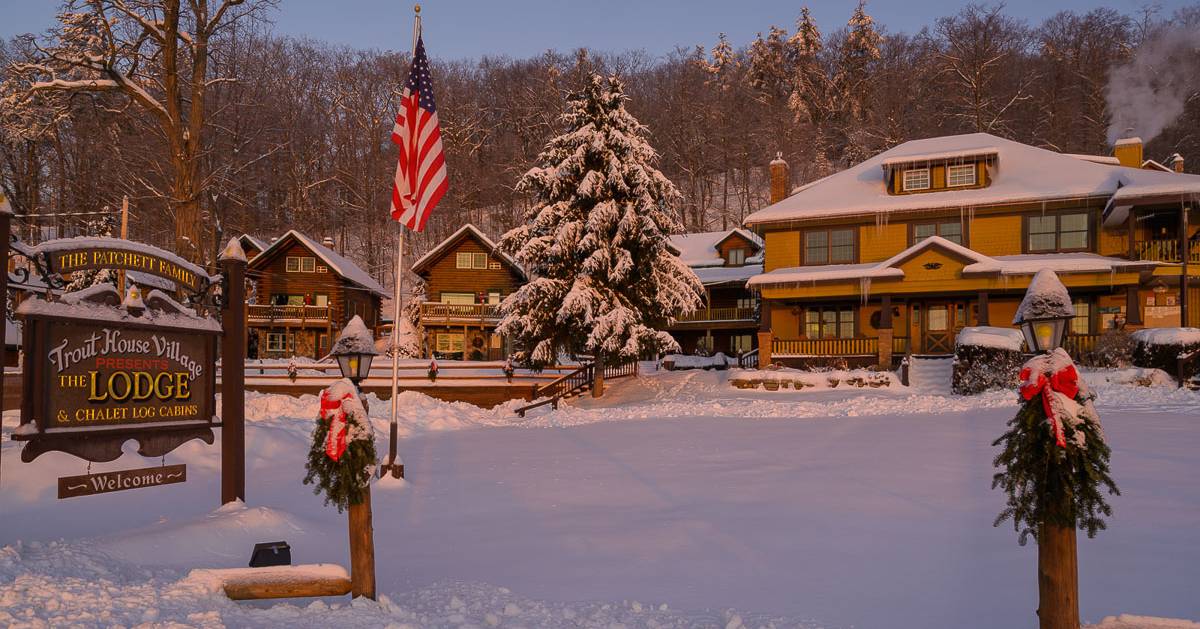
x,y
702,249
975,263
247,239
466,231
1020,173
337,263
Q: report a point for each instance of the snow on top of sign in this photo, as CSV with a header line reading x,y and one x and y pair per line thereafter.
x,y
100,242
1167,336
133,299
988,336
233,251
355,338
91,293
77,309
1045,298
1020,173
339,264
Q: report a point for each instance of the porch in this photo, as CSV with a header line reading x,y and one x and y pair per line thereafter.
x,y
302,316
438,313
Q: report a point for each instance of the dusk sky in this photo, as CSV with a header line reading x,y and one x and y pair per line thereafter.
x,y
521,28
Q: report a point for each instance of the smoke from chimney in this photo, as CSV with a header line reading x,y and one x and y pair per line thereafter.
x,y
1149,92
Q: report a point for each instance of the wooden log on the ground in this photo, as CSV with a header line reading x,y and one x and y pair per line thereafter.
x,y
241,584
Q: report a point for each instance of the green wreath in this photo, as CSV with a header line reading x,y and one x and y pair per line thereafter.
x,y
343,482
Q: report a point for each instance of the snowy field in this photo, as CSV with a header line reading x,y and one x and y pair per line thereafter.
x,y
675,501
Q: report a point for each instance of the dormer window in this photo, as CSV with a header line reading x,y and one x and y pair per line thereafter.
x,y
916,179
960,175
737,257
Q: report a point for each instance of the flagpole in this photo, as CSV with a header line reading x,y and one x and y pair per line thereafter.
x,y
393,466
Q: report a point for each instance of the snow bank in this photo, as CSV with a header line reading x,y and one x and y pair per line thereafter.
x,y
687,361
797,379
1167,336
988,336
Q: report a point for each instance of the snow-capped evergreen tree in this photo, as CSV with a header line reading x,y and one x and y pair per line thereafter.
x,y
105,226
602,279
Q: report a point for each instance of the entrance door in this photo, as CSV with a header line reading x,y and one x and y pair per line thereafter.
x,y
940,324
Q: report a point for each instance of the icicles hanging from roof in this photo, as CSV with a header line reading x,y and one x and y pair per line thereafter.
x,y
864,289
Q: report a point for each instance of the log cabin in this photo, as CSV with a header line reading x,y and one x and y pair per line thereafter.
x,y
302,294
894,256
466,276
728,320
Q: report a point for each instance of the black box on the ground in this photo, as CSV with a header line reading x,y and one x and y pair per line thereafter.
x,y
271,554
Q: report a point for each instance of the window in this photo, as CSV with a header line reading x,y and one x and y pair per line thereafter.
x,y
293,264
737,257
322,269
916,179
322,342
494,266
1082,322
1058,232
279,342
829,323
740,343
469,260
938,319
493,297
449,343
950,230
308,265
461,299
298,264
321,300
961,175
834,246
747,302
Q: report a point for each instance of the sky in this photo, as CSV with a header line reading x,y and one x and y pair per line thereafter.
x,y
456,29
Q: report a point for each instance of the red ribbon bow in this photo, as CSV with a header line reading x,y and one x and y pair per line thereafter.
x,y
1064,381
332,412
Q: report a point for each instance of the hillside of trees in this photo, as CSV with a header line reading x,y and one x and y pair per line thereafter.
x,y
227,128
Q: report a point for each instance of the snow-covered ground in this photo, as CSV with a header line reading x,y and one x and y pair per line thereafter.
x,y
674,501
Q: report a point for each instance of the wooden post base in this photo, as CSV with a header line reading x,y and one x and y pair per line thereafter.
x,y
362,550
1058,578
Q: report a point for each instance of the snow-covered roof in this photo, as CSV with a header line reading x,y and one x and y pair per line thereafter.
x,y
1099,159
714,275
1019,174
976,264
898,158
701,249
338,264
440,249
253,242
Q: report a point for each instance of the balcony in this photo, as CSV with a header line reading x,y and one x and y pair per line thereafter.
x,y
433,312
1165,251
718,315
302,315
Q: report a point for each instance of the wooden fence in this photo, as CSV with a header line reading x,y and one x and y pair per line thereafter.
x,y
788,348
718,314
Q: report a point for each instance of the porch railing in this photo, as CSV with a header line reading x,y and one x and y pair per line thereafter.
x,y
826,347
732,313
1165,251
432,310
267,312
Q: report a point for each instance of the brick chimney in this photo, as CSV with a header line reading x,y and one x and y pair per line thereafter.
x,y
1128,151
781,179
1175,161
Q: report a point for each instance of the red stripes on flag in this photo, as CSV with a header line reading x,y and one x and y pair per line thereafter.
x,y
421,171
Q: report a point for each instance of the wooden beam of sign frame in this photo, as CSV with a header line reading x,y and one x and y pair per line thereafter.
x,y
105,482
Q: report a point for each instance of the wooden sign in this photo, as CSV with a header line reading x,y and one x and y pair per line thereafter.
x,y
105,482
117,256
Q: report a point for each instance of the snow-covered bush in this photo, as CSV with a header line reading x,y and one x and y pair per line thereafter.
x,y
1160,348
1114,350
986,358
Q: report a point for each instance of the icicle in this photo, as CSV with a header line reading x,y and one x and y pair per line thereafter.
x,y
864,289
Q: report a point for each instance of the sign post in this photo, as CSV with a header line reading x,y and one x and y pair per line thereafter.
x,y
233,374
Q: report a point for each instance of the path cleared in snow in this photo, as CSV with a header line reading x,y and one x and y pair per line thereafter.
x,y
874,510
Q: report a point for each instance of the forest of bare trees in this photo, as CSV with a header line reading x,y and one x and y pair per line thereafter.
x,y
212,126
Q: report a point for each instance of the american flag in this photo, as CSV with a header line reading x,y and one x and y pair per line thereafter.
x,y
421,174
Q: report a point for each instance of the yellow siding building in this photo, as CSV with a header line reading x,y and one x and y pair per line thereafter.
x,y
896,255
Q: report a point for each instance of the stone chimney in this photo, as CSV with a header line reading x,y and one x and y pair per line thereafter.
x,y
781,179
328,241
1175,162
1128,151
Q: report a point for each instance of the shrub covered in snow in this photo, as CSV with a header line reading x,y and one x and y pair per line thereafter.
x,y
1160,348
986,358
1114,350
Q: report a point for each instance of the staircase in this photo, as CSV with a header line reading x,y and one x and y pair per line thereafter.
x,y
931,375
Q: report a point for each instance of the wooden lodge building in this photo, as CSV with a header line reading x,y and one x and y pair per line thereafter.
x,y
302,294
897,254
466,276
728,321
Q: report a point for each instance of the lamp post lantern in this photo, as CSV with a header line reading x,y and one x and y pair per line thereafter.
x,y
1044,313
